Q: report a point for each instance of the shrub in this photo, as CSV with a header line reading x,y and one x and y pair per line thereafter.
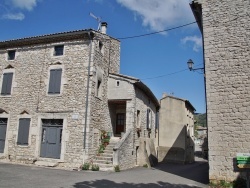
x,y
145,166
85,166
95,167
117,168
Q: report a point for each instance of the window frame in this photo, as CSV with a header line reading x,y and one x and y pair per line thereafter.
x,y
58,50
11,55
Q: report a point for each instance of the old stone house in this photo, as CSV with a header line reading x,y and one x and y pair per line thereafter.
x,y
54,102
225,29
176,130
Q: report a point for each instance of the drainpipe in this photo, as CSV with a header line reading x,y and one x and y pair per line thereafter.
x,y
91,36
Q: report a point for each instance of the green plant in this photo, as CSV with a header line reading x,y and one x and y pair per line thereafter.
x,y
95,167
145,166
117,168
101,149
85,166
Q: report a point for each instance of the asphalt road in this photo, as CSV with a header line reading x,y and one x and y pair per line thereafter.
x,y
163,175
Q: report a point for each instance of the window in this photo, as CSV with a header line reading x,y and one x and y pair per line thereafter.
x,y
55,81
58,50
7,83
23,131
11,54
149,119
98,92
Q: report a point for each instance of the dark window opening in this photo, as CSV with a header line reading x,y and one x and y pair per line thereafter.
x,y
58,50
11,54
98,93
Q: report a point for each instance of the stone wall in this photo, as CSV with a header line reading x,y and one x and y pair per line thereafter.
x,y
30,97
227,63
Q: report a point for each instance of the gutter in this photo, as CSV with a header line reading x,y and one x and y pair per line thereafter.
x,y
91,36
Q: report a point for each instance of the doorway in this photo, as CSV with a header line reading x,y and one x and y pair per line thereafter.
x,y
3,127
51,138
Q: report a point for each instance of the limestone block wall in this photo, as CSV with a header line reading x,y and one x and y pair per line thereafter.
x,y
30,98
227,63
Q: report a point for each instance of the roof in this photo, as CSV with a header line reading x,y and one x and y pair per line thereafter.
x,y
139,84
43,39
177,98
197,11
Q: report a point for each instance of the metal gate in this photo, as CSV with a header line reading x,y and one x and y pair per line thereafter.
x,y
3,127
51,138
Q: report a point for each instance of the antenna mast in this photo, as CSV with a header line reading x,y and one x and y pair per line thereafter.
x,y
98,19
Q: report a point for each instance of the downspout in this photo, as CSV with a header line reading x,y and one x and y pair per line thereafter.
x,y
91,36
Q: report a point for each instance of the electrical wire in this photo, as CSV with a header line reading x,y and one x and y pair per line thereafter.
x,y
153,33
169,74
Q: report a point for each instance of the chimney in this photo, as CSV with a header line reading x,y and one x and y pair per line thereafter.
x,y
104,27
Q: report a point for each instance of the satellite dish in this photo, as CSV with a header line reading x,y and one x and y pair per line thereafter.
x,y
98,19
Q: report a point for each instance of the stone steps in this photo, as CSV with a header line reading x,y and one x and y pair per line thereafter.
x,y
105,160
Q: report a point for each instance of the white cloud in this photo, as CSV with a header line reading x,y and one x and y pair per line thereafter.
x,y
160,14
24,4
197,42
12,16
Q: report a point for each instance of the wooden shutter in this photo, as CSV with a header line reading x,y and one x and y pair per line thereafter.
x,y
55,81
23,131
7,83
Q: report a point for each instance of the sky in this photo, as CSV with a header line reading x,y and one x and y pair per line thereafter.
x,y
159,59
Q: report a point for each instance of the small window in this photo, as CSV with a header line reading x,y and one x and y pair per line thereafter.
x,y
7,83
101,46
58,50
98,92
23,131
55,81
11,54
117,83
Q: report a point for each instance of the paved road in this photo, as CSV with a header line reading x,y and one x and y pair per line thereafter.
x,y
164,175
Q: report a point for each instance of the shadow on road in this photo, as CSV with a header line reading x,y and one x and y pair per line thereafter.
x,y
197,171
108,183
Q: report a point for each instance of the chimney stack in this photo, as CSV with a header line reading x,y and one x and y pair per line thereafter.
x,y
104,27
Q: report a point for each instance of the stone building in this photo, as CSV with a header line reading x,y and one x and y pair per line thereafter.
x,y
226,35
176,130
54,98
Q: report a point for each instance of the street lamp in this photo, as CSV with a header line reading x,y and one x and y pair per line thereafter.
x,y
190,64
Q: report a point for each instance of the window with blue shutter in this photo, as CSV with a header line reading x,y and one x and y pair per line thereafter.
x,y
7,83
23,131
55,81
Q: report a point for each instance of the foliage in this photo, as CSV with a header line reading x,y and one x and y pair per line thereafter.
x,y
238,183
200,119
85,166
145,166
117,168
101,149
95,167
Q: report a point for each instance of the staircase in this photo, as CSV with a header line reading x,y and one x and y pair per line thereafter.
x,y
105,160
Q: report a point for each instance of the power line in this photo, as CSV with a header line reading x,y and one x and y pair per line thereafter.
x,y
153,33
169,74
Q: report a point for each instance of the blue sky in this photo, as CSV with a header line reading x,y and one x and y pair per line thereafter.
x,y
159,60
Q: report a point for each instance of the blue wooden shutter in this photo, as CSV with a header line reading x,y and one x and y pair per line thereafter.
x,y
55,81
7,83
23,131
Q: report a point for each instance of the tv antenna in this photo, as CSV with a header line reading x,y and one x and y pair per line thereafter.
x,y
98,19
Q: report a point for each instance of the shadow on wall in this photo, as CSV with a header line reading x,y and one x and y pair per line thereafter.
x,y
108,183
182,150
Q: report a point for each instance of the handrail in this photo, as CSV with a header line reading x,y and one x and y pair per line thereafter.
x,y
123,139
